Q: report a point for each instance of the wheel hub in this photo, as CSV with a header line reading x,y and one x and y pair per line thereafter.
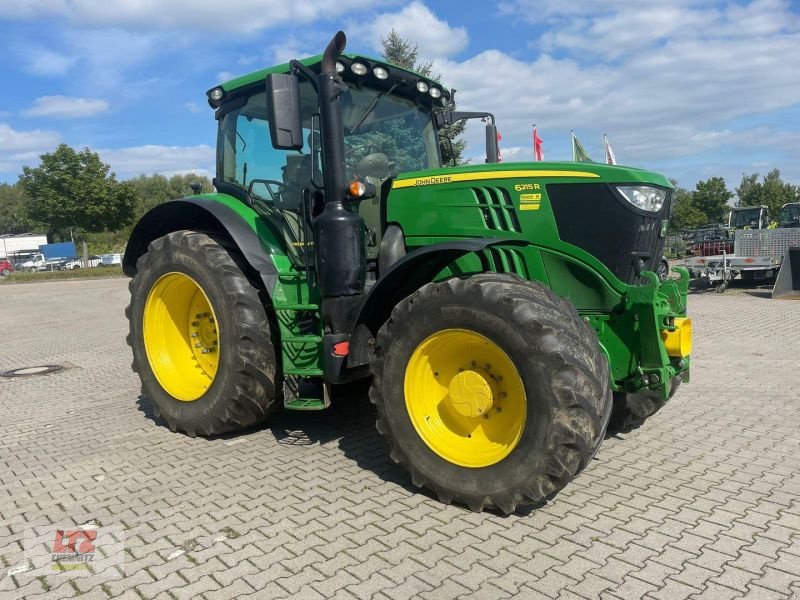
x,y
470,412
472,392
180,336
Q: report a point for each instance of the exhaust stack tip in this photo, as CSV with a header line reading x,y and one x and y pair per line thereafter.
x,y
335,48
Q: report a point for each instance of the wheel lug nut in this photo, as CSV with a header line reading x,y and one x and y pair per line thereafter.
x,y
498,410
198,345
194,334
195,323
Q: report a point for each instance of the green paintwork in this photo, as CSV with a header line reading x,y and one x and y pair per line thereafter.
x,y
628,319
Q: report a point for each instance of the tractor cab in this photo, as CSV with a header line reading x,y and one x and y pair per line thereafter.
x,y
748,217
790,215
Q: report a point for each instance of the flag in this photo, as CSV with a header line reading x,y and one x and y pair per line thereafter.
x,y
578,153
610,158
538,151
499,137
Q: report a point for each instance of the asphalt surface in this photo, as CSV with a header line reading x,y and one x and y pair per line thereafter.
x,y
702,501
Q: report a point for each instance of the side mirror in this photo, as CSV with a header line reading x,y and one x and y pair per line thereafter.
x,y
492,150
283,110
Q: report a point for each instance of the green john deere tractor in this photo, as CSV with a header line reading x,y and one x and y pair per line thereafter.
x,y
505,312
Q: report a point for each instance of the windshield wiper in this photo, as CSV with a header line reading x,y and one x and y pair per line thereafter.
x,y
371,107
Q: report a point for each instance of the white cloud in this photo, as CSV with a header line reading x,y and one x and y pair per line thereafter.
x,y
41,61
245,16
18,148
224,76
133,161
685,84
13,142
64,107
434,37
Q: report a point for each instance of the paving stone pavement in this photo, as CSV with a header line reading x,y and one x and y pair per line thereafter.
x,y
702,501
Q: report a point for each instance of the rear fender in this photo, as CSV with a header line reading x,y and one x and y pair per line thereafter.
x,y
202,214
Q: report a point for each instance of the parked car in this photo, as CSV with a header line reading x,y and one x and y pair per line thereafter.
x,y
77,263
35,263
110,259
6,268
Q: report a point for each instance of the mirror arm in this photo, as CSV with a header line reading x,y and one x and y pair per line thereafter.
x,y
298,68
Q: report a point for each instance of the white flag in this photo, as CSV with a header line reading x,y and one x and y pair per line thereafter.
x,y
610,158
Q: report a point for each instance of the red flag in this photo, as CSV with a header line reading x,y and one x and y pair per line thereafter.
x,y
538,151
499,137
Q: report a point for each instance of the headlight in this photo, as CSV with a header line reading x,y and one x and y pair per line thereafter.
x,y
380,72
435,92
339,67
422,86
216,94
643,196
358,68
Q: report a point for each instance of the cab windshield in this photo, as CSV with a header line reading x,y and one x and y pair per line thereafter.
x,y
393,134
790,215
745,218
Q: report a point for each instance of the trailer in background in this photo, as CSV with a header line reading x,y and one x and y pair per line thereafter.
x,y
757,255
21,246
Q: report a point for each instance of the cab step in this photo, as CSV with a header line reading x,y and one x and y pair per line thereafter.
x,y
305,393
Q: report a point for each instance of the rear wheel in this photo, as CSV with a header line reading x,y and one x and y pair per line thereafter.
x,y
201,336
491,390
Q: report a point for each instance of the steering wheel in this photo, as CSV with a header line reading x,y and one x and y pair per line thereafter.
x,y
268,183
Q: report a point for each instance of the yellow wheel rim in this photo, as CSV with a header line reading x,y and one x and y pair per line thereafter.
x,y
181,336
465,398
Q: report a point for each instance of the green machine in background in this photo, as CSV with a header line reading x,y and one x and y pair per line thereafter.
x,y
506,312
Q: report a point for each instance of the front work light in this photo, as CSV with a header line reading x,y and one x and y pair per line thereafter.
x,y
380,73
643,197
422,86
435,92
358,68
216,94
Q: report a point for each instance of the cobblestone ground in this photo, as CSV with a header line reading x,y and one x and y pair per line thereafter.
x,y
702,501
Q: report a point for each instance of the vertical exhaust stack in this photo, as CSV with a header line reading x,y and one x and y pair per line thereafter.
x,y
339,235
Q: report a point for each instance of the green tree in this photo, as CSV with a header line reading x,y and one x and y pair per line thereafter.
x,y
14,211
403,53
152,190
74,190
684,214
771,192
711,198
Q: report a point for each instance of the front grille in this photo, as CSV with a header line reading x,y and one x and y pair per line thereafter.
x,y
497,209
593,217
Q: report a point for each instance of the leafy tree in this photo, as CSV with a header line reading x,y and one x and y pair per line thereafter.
x,y
152,190
772,192
711,198
13,211
403,53
684,213
72,189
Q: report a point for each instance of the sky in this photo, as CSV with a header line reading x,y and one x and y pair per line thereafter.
x,y
687,88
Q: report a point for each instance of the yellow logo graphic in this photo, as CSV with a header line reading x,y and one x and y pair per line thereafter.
x,y
530,201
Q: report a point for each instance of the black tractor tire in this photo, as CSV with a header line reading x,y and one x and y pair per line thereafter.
x,y
632,410
559,362
245,389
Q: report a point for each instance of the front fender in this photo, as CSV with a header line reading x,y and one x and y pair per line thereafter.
x,y
208,215
402,279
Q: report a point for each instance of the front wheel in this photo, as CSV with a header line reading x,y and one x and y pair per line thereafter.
x,y
201,336
490,390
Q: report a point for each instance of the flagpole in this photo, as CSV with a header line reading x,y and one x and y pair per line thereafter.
x,y
572,133
605,146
